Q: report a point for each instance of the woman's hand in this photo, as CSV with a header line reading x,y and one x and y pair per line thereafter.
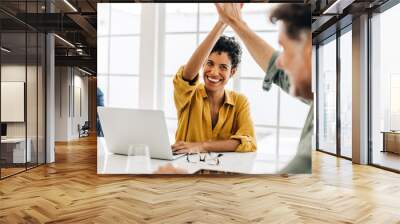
x,y
182,147
229,12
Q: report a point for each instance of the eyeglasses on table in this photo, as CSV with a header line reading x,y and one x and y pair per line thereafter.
x,y
204,157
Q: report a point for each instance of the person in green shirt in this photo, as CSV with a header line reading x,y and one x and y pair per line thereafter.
x,y
289,69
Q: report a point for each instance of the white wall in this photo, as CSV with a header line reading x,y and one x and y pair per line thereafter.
x,y
33,127
68,83
12,73
61,103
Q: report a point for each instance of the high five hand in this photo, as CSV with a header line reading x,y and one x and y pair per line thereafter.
x,y
229,12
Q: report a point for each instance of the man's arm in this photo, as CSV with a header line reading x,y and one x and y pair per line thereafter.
x,y
275,75
263,53
200,55
260,50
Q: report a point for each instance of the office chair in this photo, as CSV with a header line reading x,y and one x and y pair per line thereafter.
x,y
84,130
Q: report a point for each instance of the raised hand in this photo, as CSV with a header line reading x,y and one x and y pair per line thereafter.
x,y
229,12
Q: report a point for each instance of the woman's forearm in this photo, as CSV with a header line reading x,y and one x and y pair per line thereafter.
x,y
221,145
203,50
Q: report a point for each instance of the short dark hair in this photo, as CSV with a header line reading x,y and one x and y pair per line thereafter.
x,y
231,47
296,17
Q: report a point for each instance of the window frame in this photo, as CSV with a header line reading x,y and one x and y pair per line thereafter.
x,y
379,10
336,36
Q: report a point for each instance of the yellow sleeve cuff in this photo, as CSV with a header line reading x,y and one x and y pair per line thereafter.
x,y
180,83
247,143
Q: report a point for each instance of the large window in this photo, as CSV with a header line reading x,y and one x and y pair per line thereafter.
x,y
178,35
385,89
327,96
335,72
346,93
118,36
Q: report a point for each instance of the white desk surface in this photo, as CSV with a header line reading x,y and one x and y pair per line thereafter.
x,y
244,163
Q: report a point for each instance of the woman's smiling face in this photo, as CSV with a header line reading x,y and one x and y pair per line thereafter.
x,y
217,71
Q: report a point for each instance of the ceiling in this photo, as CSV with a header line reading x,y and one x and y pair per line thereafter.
x,y
76,25
328,16
76,22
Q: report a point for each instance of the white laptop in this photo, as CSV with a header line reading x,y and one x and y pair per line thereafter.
x,y
125,127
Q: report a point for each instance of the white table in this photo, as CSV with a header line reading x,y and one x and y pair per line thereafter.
x,y
19,155
232,162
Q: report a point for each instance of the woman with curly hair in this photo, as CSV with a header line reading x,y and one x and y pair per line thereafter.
x,y
211,118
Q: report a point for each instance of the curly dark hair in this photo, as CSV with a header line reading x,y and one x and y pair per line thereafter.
x,y
231,47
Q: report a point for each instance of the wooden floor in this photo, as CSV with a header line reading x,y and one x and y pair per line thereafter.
x,y
70,191
10,171
387,159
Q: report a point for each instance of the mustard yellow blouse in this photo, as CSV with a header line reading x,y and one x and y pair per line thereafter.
x,y
194,115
